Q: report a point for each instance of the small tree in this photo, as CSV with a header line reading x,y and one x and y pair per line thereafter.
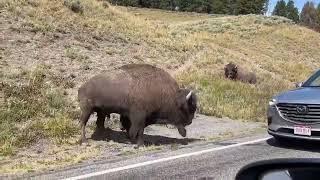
x,y
308,16
292,11
251,6
266,7
280,9
219,7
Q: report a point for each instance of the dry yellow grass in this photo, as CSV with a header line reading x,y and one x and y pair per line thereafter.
x,y
55,156
164,16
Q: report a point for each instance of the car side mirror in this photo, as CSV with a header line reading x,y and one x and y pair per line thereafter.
x,y
298,84
284,169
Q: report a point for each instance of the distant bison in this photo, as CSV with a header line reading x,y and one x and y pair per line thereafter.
x,y
142,94
232,71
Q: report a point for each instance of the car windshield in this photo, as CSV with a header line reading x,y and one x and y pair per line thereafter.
x,y
313,81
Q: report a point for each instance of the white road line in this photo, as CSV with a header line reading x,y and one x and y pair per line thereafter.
x,y
164,159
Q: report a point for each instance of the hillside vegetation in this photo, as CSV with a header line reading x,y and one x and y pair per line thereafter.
x,y
49,48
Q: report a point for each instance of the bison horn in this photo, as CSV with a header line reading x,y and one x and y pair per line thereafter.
x,y
189,95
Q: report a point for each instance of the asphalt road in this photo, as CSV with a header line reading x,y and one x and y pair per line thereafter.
x,y
219,160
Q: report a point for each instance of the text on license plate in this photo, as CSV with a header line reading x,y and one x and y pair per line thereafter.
x,y
302,130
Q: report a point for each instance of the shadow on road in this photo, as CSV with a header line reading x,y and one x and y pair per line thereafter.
x,y
302,145
121,137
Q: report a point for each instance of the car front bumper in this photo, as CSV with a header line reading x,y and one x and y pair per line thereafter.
x,y
281,127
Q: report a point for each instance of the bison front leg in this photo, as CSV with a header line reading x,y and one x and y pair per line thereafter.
x,y
137,128
140,140
136,136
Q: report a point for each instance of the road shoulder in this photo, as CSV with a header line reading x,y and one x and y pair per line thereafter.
x,y
160,140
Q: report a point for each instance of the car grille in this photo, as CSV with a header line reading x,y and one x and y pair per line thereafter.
x,y
289,111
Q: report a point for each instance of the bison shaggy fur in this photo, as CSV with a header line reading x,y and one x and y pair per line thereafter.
x,y
234,72
142,94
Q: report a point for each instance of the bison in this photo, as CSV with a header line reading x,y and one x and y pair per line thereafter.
x,y
142,94
233,72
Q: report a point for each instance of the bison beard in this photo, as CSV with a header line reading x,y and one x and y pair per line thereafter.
x,y
142,94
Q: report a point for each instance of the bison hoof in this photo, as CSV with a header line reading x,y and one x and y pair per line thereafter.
x,y
128,135
83,140
138,146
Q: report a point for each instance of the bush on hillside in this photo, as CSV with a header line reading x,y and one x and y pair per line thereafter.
x,y
74,5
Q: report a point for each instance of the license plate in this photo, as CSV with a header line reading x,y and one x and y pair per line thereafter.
x,y
302,130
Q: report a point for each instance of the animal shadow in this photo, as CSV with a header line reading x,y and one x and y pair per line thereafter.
x,y
121,137
302,145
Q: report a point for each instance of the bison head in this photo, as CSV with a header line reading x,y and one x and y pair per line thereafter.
x,y
231,71
187,106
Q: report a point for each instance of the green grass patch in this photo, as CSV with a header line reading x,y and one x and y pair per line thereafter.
x,y
225,98
33,109
75,55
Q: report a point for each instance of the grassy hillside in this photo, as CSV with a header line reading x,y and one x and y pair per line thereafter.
x,y
68,47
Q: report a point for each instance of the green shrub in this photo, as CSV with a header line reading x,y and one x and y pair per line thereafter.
x,y
74,5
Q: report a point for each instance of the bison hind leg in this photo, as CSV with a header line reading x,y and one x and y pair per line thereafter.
x,y
84,117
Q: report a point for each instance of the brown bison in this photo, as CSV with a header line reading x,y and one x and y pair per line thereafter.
x,y
142,94
232,71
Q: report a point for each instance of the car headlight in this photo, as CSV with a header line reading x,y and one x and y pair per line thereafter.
x,y
272,102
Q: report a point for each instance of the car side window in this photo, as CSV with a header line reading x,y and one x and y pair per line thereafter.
x,y
315,82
